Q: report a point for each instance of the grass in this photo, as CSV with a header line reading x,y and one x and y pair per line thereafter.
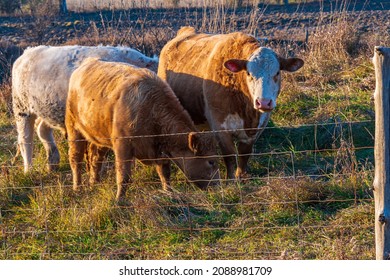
x,y
309,196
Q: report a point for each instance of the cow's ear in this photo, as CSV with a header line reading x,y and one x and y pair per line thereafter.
x,y
290,64
235,65
193,142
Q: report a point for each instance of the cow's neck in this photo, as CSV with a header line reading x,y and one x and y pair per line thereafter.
x,y
176,125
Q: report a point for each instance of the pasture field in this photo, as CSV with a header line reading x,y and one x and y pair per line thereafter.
x,y
309,195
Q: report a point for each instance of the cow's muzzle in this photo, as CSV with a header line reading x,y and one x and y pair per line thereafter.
x,y
264,104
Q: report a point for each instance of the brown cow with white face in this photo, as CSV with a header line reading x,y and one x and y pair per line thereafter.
x,y
125,108
228,81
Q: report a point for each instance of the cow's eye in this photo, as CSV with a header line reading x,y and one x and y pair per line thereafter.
x,y
276,77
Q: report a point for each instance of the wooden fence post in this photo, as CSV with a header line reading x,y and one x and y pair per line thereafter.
x,y
381,62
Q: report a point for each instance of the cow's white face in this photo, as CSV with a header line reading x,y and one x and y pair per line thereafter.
x,y
263,75
263,79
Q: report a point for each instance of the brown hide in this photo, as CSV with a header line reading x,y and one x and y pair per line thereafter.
x,y
112,104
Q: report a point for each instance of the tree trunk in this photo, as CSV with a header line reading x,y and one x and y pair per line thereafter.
x,y
63,7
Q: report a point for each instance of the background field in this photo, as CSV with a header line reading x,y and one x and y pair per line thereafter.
x,y
310,191
82,5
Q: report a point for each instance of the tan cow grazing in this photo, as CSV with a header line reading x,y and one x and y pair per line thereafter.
x,y
113,104
228,81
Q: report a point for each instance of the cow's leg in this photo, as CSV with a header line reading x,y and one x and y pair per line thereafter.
x,y
123,163
25,129
244,151
164,172
45,134
95,157
228,151
77,148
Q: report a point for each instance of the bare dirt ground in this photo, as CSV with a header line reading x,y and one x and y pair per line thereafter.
x,y
272,20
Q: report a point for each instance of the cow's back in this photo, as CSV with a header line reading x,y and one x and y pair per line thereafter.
x,y
40,77
192,64
110,101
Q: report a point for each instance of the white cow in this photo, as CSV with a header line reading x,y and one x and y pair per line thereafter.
x,y
40,81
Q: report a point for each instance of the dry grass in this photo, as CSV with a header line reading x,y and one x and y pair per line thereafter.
x,y
78,5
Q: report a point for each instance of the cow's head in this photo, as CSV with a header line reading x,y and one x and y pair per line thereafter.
x,y
263,75
199,161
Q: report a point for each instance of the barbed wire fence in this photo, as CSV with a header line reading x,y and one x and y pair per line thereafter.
x,y
284,175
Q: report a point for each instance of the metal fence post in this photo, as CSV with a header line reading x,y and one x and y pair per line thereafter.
x,y
381,62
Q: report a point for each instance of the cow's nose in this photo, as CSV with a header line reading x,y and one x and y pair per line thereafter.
x,y
264,104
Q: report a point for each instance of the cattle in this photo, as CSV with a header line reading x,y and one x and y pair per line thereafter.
x,y
227,81
136,114
40,79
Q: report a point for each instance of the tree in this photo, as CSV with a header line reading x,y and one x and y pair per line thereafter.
x,y
63,7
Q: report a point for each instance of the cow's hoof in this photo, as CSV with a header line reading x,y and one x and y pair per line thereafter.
x,y
122,202
52,167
